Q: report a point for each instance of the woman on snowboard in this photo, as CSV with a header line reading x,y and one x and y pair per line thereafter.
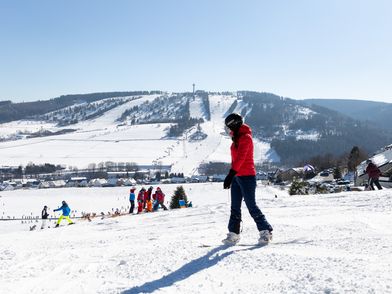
x,y
242,181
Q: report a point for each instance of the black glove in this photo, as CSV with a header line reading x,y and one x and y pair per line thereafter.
x,y
229,179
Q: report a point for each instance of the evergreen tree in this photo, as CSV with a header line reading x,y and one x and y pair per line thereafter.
x,y
179,194
355,158
299,187
337,174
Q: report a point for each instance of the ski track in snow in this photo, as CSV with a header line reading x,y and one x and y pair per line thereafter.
x,y
335,243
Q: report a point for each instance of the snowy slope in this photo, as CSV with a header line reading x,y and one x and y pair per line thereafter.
x,y
216,146
97,140
105,139
335,243
24,126
197,108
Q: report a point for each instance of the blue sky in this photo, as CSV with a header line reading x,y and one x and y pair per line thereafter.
x,y
298,49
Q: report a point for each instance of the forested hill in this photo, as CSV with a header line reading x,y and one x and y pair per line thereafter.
x,y
297,130
10,111
378,114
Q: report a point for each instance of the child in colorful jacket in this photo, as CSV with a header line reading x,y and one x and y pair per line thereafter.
x,y
132,197
146,197
65,213
149,193
160,197
140,200
44,216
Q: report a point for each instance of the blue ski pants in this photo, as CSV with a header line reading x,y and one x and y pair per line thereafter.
x,y
244,187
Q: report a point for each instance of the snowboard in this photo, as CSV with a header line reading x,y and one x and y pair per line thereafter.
x,y
235,245
62,226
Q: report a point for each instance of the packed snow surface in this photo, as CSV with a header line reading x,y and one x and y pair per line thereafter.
x,y
334,243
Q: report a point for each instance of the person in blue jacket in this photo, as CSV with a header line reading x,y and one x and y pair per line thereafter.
x,y
132,199
66,211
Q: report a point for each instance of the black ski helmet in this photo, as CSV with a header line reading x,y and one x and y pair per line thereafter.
x,y
234,121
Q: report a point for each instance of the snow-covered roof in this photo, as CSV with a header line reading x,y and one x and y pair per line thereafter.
x,y
78,179
381,159
298,169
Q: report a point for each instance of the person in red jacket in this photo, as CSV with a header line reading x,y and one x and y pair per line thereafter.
x,y
160,197
140,200
147,196
242,181
374,174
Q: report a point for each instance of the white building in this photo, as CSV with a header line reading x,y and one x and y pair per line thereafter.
x,y
383,159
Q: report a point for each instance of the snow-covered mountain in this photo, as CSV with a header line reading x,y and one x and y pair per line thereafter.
x,y
178,129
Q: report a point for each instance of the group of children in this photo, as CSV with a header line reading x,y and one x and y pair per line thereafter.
x,y
146,200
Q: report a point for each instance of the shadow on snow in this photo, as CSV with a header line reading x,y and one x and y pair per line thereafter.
x,y
186,270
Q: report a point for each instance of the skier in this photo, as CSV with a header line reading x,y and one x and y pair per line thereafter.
x,y
374,174
160,197
242,181
66,211
132,199
44,216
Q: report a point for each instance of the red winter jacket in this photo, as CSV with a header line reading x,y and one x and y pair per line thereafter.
x,y
242,152
140,196
160,196
373,171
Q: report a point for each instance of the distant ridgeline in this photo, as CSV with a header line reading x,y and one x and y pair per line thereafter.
x,y
298,131
378,114
14,111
